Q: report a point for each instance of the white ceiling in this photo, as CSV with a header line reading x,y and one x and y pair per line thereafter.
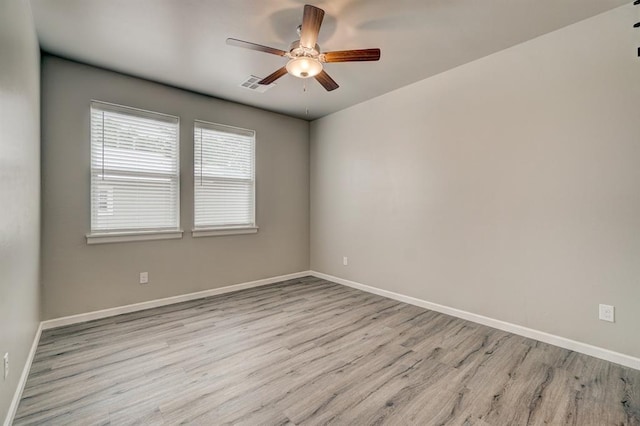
x,y
182,42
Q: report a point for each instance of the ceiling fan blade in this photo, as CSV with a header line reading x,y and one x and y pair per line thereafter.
x,y
253,46
311,21
326,81
352,55
273,76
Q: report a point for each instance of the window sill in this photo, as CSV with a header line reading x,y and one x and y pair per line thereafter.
x,y
121,237
218,232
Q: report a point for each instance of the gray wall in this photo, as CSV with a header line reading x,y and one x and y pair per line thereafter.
x,y
79,278
508,187
19,189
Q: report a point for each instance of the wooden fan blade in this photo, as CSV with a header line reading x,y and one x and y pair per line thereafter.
x,y
273,76
253,46
352,55
326,81
311,21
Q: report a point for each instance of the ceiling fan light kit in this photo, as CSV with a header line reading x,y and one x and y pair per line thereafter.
x,y
305,58
304,67
304,62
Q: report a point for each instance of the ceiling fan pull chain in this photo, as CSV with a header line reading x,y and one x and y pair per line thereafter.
x,y
304,90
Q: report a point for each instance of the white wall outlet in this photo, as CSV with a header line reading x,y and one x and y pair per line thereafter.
x,y
607,313
345,261
6,365
144,277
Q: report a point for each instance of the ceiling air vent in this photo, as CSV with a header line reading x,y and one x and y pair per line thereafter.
x,y
251,83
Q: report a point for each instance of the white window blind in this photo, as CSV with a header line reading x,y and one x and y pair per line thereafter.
x,y
134,170
224,177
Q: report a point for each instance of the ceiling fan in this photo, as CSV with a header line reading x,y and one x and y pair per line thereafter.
x,y
305,57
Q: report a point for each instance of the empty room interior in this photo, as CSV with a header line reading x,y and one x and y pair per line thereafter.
x,y
423,212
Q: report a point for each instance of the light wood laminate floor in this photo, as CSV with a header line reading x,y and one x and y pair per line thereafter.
x,y
308,351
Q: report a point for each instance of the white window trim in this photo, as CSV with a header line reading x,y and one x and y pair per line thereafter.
x,y
106,237
121,237
219,232
231,229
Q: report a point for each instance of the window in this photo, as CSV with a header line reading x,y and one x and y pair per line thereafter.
x,y
224,180
135,187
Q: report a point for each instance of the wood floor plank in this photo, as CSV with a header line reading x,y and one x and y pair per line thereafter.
x,y
310,352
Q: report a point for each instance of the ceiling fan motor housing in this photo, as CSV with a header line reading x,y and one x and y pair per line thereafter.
x,y
297,50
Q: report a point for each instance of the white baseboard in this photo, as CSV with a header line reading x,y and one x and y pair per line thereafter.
x,y
573,345
23,378
104,313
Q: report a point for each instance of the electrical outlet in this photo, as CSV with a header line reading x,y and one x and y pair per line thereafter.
x,y
6,365
607,313
144,277
345,261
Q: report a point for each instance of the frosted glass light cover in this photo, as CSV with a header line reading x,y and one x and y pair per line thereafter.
x,y
304,67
